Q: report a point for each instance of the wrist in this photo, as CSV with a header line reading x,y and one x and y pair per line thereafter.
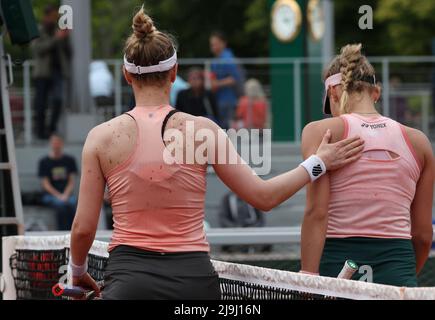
x,y
315,167
77,271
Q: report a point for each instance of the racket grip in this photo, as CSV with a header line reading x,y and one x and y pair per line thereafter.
x,y
348,270
60,290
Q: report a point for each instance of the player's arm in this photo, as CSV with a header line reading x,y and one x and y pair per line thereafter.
x,y
421,209
315,220
91,195
267,194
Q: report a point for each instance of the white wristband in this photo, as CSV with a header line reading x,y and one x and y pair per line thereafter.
x,y
77,271
315,167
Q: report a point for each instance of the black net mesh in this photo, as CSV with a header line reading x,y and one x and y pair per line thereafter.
x,y
96,267
240,290
36,272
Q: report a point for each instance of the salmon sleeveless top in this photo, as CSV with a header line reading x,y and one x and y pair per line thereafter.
x,y
372,197
157,206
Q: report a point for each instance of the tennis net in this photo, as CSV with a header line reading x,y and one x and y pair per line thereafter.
x,y
33,265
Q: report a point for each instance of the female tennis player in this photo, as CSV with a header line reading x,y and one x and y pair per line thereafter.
x,y
378,210
159,249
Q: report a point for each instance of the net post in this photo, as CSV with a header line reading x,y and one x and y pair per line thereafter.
x,y
8,249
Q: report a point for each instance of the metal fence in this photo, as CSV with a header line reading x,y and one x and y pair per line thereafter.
x,y
408,86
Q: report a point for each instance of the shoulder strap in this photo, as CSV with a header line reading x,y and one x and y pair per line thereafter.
x,y
167,118
128,114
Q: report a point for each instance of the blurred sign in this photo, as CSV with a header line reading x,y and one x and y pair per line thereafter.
x,y
20,20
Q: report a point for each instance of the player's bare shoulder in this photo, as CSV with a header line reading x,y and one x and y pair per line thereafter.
x,y
114,133
319,128
181,120
420,142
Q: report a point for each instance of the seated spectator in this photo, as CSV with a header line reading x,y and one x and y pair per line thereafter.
x,y
252,108
57,173
101,83
196,100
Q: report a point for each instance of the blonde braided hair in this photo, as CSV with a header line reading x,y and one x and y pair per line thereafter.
x,y
353,66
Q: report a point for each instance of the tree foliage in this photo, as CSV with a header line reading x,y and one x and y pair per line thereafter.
x,y
410,25
347,29
401,26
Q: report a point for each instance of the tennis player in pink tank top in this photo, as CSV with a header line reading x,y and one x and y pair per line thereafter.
x,y
159,248
378,210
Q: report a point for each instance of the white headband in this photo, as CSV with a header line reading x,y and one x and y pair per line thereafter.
x,y
332,81
161,67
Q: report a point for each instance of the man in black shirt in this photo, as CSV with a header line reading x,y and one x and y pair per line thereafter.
x,y
57,173
196,100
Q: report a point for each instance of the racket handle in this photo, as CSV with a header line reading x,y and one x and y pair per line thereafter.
x,y
60,290
349,269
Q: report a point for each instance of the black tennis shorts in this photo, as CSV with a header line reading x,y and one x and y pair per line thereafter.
x,y
135,274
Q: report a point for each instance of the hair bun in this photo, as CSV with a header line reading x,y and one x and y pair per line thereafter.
x,y
143,25
351,53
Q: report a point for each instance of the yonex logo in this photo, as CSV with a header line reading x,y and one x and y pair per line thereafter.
x,y
317,170
374,126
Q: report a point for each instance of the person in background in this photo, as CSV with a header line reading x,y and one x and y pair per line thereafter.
x,y
253,107
52,56
398,103
101,83
226,77
178,86
197,101
57,172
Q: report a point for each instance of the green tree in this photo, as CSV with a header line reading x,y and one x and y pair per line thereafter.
x,y
347,28
410,25
401,26
246,23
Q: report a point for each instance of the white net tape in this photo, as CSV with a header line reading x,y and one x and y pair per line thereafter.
x,y
324,286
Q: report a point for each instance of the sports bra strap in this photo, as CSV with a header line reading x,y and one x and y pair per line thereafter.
x,y
167,118
127,114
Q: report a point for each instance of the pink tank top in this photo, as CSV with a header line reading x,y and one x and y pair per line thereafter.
x,y
156,206
372,197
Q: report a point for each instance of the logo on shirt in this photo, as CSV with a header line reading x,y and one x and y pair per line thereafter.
x,y
59,173
374,126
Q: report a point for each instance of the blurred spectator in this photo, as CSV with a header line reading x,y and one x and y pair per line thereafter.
x,y
178,86
52,56
398,104
197,100
57,172
226,80
101,83
253,107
